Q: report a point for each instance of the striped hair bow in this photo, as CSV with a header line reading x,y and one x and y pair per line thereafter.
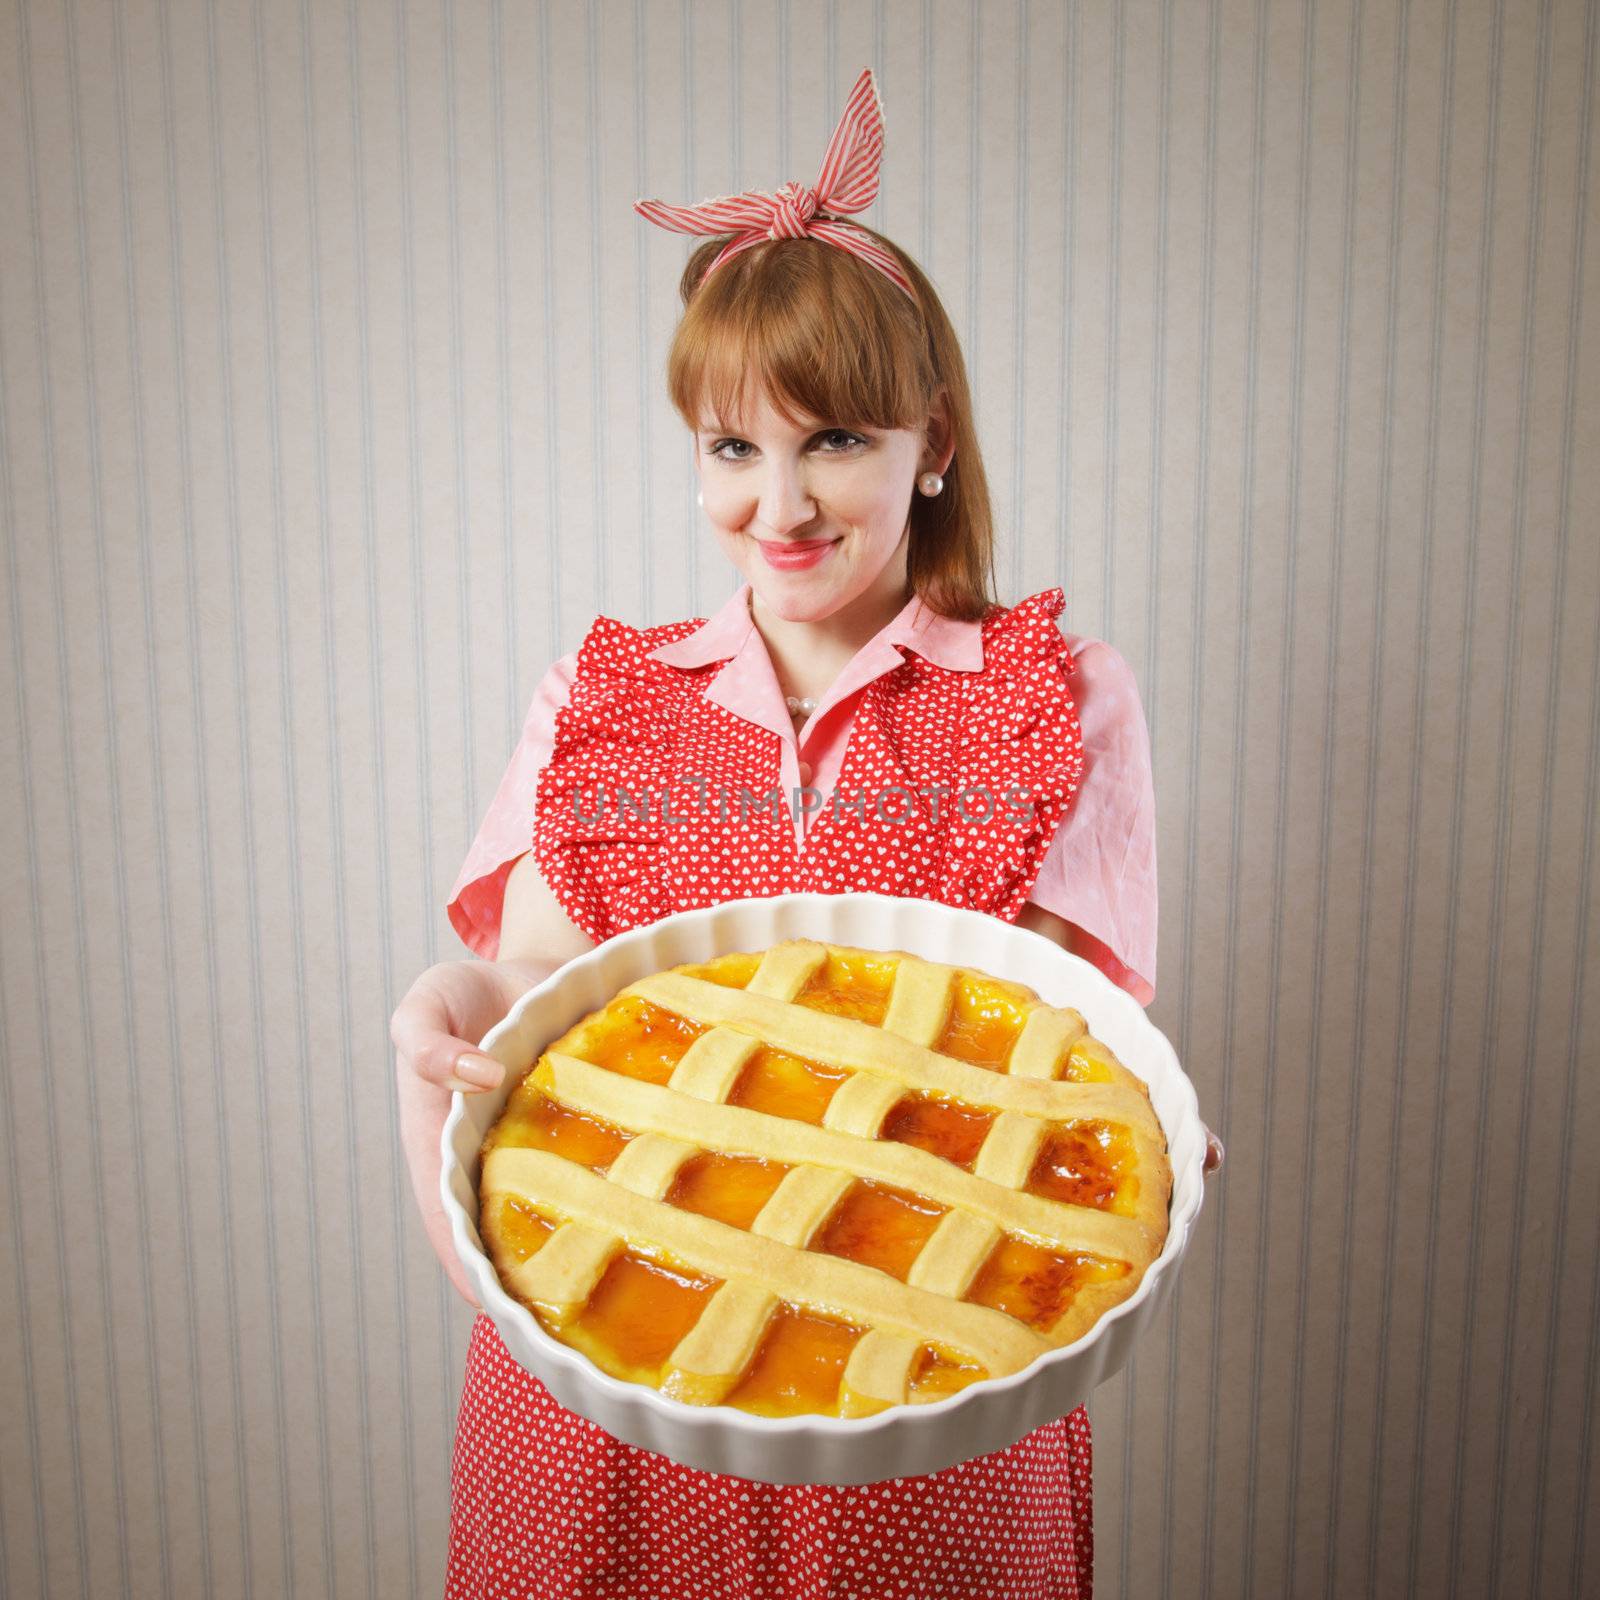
x,y
848,183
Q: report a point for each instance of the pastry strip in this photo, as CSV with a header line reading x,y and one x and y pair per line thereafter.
x,y
1008,1153
921,1000
710,1067
860,1104
949,1261
1046,1041
786,968
562,1276
878,1373
649,1164
800,1204
712,1356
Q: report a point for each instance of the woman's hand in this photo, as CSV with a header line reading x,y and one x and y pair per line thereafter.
x,y
1214,1153
436,1029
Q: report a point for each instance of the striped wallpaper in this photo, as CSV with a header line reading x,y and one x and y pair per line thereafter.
x,y
332,410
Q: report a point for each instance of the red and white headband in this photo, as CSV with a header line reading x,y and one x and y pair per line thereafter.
x,y
848,183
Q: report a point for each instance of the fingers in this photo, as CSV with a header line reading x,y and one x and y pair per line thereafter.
x,y
474,1071
422,1030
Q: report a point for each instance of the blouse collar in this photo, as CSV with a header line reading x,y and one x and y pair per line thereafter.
x,y
957,646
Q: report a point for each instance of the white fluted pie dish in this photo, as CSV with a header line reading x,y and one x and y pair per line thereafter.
x,y
903,1440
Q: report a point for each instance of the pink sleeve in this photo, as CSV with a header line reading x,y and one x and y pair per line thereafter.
x,y
1100,873
506,832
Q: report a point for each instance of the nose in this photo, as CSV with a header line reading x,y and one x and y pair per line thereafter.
x,y
785,502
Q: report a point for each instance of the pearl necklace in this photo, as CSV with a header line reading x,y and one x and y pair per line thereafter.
x,y
799,707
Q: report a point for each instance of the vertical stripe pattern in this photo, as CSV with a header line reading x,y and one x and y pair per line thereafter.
x,y
331,411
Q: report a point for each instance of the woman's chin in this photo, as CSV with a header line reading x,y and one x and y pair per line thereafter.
x,y
797,596
801,594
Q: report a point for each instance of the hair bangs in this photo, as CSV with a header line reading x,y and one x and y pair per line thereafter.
x,y
798,322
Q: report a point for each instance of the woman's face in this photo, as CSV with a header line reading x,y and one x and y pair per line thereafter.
x,y
812,515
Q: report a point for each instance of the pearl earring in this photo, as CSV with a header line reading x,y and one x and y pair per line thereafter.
x,y
700,497
930,483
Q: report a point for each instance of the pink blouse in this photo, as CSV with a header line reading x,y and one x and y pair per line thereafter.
x,y
1100,871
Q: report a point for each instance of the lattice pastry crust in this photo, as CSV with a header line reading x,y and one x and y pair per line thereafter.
x,y
824,1179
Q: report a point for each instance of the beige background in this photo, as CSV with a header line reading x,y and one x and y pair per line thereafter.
x,y
332,410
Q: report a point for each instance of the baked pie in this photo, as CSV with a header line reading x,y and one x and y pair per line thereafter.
x,y
822,1179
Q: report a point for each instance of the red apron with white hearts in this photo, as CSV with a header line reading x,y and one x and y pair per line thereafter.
x,y
952,787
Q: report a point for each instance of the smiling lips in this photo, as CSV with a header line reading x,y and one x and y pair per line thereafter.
x,y
792,555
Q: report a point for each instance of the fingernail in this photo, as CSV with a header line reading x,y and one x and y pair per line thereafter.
x,y
481,1072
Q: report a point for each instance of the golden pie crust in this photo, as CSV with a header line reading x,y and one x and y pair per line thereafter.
x,y
819,1179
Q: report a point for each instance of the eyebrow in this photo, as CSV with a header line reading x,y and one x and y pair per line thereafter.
x,y
808,427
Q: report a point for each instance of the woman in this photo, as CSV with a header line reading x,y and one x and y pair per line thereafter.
x,y
863,657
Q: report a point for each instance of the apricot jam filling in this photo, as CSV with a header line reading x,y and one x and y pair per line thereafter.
x,y
854,984
879,1226
1035,1285
982,1026
797,1365
639,1311
730,1189
945,1128
520,1229
731,971
939,1372
1088,1061
1087,1164
789,1086
640,1039
533,1121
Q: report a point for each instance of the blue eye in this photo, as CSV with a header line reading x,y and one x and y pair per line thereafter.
x,y
852,442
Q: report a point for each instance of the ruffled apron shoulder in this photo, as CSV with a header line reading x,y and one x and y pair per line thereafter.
x,y
1019,760
598,839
